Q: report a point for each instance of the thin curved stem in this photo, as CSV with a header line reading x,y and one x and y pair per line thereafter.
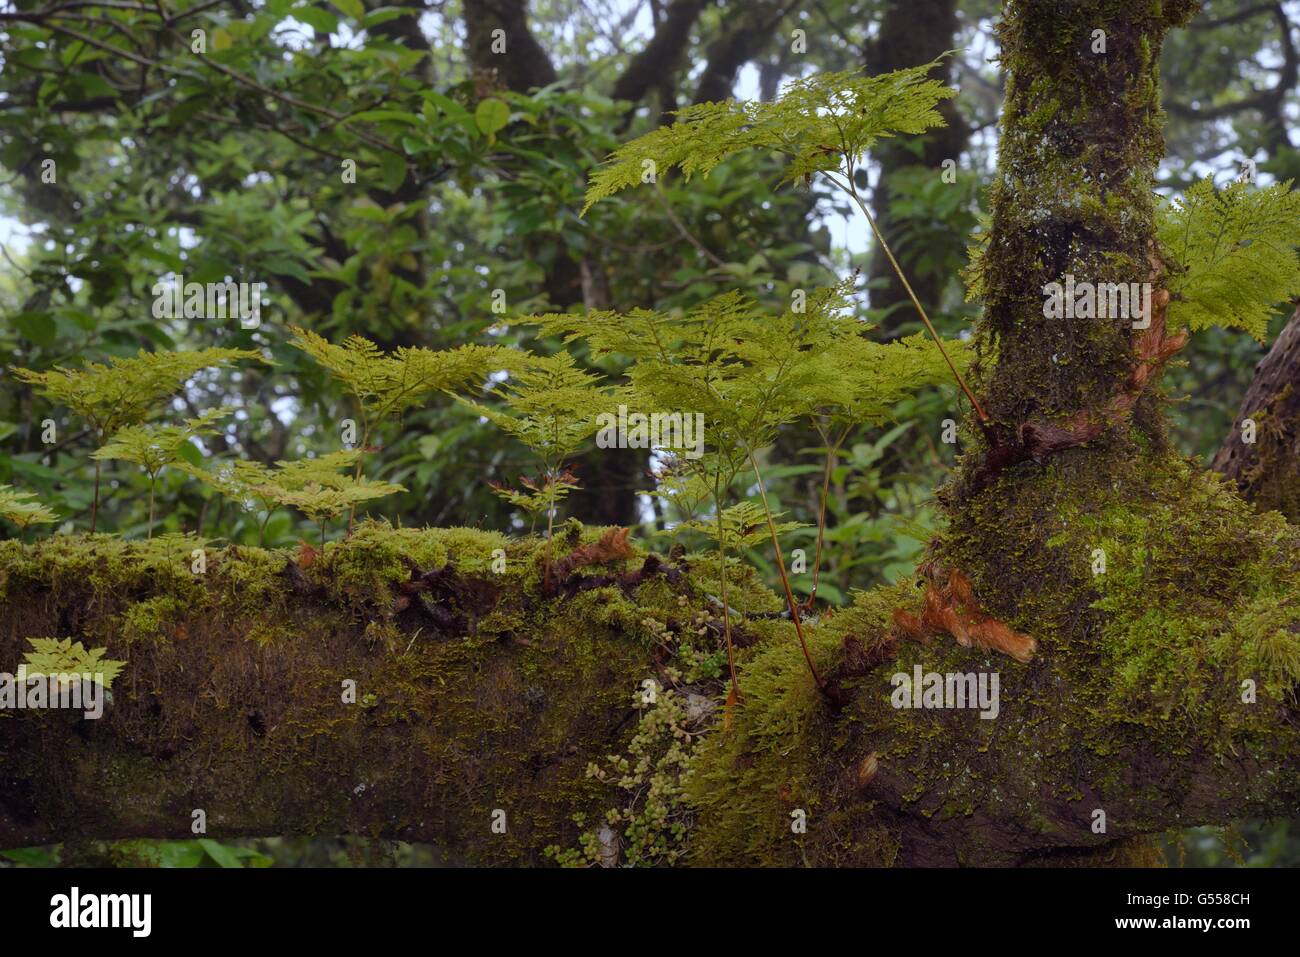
x,y
785,580
722,574
852,191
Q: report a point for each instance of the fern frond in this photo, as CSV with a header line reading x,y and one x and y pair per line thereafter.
x,y
815,121
551,406
21,509
67,660
386,385
154,447
319,502
1234,253
125,391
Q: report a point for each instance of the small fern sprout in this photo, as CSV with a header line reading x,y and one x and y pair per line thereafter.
x,y
125,391
23,510
65,660
154,447
252,484
552,407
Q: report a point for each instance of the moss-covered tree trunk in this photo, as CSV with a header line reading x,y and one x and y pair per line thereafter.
x,y
1155,688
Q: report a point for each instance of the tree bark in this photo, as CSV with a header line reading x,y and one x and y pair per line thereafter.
x,y
1267,470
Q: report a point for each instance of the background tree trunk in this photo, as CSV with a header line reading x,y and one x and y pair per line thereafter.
x,y
1267,471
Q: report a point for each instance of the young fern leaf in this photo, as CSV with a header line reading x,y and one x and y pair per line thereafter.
x,y
1235,255
23,510
344,493
251,483
154,447
66,660
552,407
125,391
813,120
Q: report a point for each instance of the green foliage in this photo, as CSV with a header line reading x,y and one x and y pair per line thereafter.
x,y
552,407
68,659
314,486
22,509
814,121
654,822
1235,253
321,502
125,391
741,526
749,372
385,386
154,447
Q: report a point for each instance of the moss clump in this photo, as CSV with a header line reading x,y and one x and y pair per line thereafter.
x,y
782,749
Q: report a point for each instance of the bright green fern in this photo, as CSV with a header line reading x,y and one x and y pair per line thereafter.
x,y
23,510
125,391
154,447
1234,254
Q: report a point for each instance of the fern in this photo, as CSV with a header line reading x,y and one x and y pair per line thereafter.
x,y
66,660
815,121
823,123
125,391
313,486
741,526
384,386
1234,252
552,407
344,493
749,373
21,509
154,447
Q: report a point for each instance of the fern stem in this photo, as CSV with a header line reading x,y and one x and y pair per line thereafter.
x,y
94,502
153,481
852,191
832,452
722,574
550,527
785,580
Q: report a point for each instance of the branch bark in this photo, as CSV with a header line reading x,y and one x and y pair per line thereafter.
x,y
1267,470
